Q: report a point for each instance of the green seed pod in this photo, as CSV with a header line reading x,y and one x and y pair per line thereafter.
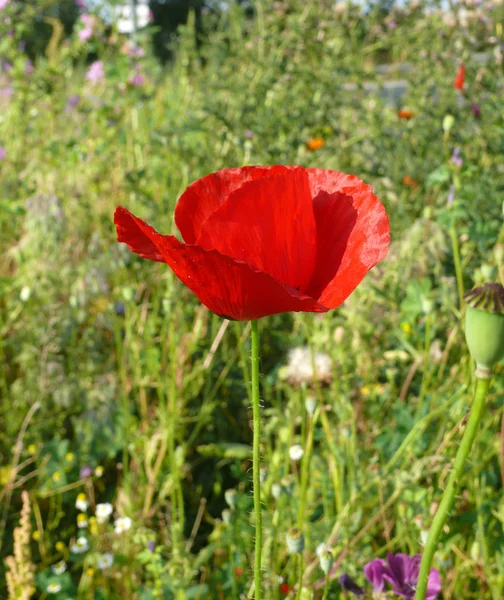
x,y
485,326
231,497
326,561
295,541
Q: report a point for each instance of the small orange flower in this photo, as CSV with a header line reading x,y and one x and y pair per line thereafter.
x,y
460,78
407,180
405,113
315,143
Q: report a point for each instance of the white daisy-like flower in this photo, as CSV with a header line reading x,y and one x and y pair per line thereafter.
x,y
82,503
59,568
105,561
53,588
122,524
296,452
103,512
81,545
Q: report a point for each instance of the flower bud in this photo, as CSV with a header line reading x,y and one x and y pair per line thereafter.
x,y
227,516
485,326
295,540
231,498
311,405
326,561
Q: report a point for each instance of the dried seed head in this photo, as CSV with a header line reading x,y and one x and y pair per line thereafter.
x,y
295,540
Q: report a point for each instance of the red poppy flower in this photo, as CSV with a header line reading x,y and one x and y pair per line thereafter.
x,y
267,240
285,588
459,79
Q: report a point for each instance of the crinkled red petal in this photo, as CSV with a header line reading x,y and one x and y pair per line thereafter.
x,y
269,224
227,287
353,234
205,195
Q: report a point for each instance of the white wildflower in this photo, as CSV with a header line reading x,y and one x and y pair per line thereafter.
x,y
82,503
80,546
122,524
53,588
103,512
59,568
105,561
296,452
300,369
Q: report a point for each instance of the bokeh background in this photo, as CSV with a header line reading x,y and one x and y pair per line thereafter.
x,y
125,404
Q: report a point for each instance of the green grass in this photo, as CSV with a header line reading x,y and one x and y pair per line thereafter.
x,y
148,395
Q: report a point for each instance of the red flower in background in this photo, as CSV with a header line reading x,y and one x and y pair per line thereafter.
x,y
460,78
267,240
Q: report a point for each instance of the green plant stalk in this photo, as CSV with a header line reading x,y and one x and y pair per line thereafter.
x,y
482,385
256,459
305,468
457,263
326,587
425,372
300,577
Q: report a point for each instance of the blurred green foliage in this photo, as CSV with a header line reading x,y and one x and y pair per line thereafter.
x,y
110,383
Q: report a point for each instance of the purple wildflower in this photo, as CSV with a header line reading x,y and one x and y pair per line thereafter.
x,y
456,159
29,68
392,25
249,134
3,153
476,109
73,101
85,34
95,71
151,545
349,585
80,3
401,572
137,79
3,4
86,471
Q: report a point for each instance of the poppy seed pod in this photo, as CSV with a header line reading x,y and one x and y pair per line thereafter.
x,y
485,326
326,561
295,540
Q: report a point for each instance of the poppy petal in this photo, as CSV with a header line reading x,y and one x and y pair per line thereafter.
x,y
205,195
352,234
268,223
227,287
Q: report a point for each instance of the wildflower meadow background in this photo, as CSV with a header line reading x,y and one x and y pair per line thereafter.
x,y
125,415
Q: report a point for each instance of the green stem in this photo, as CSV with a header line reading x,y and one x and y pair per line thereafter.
x,y
458,265
305,468
427,344
256,459
326,587
441,515
300,577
